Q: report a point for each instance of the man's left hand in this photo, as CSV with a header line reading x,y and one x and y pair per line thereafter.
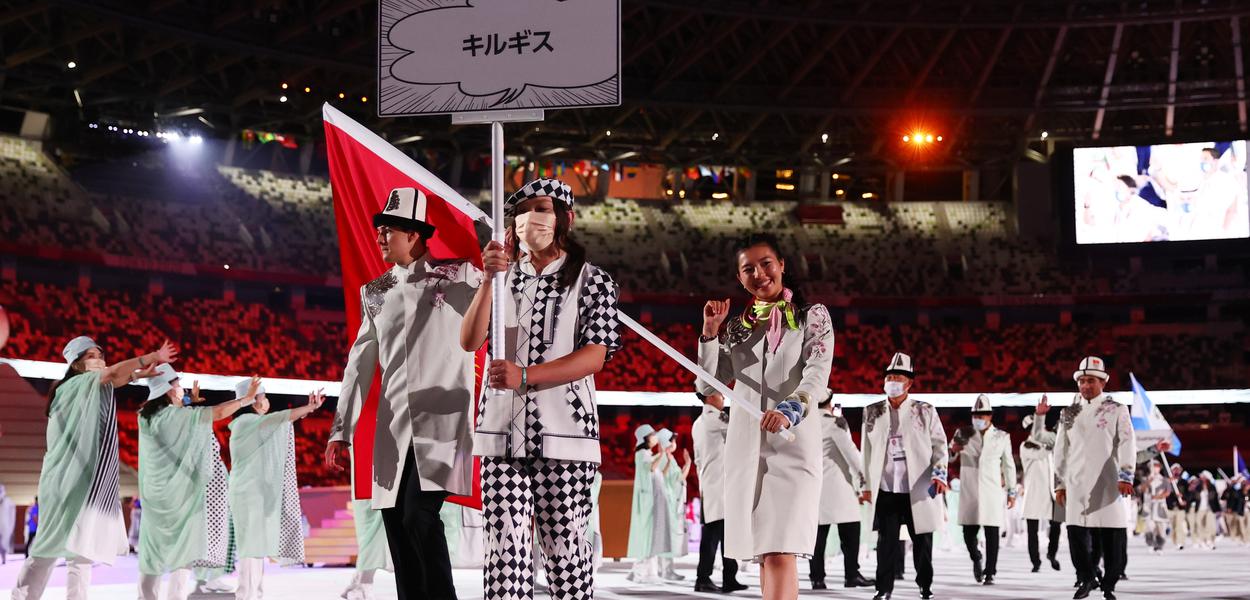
x,y
1011,502
940,486
1125,488
504,375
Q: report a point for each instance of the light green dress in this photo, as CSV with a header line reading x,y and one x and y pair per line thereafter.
x,y
641,511
372,549
675,485
182,483
264,498
80,509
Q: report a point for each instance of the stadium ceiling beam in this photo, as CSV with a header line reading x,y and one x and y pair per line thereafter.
x,y
220,41
29,10
934,56
22,57
332,11
216,66
875,57
143,53
988,69
690,58
1112,57
1173,64
885,20
1045,80
1240,72
669,27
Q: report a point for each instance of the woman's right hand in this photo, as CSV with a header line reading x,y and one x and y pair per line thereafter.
x,y
714,313
167,354
495,258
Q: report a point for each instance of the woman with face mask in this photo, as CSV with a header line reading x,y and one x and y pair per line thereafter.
x,y
1155,505
649,526
780,351
182,485
675,476
538,425
80,516
264,492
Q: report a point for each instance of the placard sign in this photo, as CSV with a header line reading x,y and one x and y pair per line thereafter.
x,y
496,55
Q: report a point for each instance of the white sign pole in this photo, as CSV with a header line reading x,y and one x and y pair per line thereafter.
x,y
499,293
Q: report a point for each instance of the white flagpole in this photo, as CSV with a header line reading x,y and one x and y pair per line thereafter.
x,y
499,291
1168,470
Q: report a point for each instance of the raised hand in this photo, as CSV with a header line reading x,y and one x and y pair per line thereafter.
x,y
168,353
714,313
195,392
1043,407
316,399
252,387
149,371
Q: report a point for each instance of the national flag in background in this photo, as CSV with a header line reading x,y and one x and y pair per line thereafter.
x,y
364,168
1239,464
1148,423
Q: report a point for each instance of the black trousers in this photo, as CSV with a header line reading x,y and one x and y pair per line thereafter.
x,y
991,546
848,540
712,540
1112,542
1034,551
893,512
414,532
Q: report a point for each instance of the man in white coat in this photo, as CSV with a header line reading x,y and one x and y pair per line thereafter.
x,y
905,458
709,432
1095,456
422,449
839,497
987,475
1037,460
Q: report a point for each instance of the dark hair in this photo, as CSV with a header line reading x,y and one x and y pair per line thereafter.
x,y
149,409
1213,152
1127,180
576,253
792,282
70,373
643,445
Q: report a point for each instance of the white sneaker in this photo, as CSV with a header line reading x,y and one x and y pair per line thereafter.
x,y
221,584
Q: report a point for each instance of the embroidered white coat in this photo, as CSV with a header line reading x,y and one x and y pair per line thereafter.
x,y
1094,450
839,490
410,325
987,476
708,433
772,487
924,446
1037,460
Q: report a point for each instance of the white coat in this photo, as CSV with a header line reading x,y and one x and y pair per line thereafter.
x,y
1037,460
1094,450
410,324
708,433
839,490
987,476
772,498
924,447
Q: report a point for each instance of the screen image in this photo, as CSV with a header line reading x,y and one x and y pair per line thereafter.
x,y
1160,193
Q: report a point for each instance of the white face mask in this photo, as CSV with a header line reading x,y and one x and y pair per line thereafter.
x,y
535,231
93,364
894,389
980,424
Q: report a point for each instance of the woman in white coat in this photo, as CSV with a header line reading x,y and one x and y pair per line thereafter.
x,y
1038,463
779,352
987,471
839,498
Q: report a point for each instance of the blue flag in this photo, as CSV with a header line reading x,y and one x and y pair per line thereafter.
x,y
1148,423
1239,464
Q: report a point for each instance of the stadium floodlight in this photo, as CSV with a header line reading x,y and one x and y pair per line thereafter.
x,y
71,65
195,139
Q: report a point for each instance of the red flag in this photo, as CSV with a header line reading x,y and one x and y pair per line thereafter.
x,y
364,168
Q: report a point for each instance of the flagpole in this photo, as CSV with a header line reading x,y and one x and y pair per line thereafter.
x,y
1164,456
499,288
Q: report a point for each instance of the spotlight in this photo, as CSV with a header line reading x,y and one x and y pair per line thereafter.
x,y
608,133
307,89
906,138
71,65
928,137
866,195
195,139
939,138
342,95
715,136
1045,134
364,98
824,138
281,98
226,267
284,86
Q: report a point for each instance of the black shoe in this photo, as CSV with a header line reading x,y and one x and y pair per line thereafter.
x,y
859,581
898,577
1077,584
1123,576
1108,595
706,585
989,579
819,584
882,596
926,593
1037,567
731,586
976,569
1083,590
1054,564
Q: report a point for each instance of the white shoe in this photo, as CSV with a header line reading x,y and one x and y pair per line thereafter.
x,y
219,585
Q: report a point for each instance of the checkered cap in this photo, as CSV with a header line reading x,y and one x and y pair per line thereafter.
x,y
554,188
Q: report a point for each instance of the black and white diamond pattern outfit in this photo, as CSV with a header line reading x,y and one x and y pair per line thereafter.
x,y
540,447
776,499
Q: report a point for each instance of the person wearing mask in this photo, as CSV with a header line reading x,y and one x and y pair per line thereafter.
x,y
675,476
709,432
905,475
781,351
649,528
1095,434
1206,509
81,510
987,474
1178,506
1037,460
839,498
538,426
1234,498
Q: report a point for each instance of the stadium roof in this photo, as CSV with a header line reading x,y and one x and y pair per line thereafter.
x,y
759,83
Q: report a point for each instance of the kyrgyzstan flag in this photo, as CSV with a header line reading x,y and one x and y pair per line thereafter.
x,y
364,168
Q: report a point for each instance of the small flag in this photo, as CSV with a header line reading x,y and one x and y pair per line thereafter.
x,y
1239,464
1148,423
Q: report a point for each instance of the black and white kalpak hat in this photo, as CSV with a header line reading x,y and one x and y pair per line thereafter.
x,y
982,406
900,365
1092,365
552,188
405,209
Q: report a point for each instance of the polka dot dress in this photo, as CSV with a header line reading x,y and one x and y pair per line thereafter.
x,y
290,536
216,510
